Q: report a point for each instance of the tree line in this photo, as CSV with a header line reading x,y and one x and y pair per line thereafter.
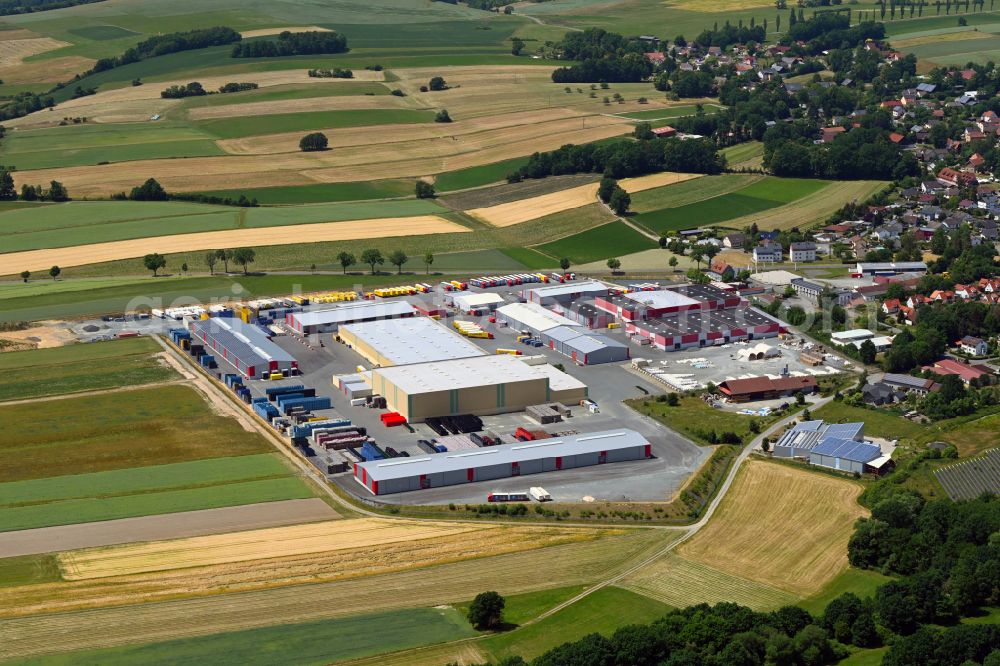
x,y
12,7
624,158
195,89
171,42
8,191
292,43
374,258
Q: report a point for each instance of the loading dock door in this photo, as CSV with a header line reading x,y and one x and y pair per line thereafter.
x,y
425,483
515,469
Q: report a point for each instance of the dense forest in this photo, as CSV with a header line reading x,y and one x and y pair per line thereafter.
x,y
944,558
291,44
603,56
624,158
10,7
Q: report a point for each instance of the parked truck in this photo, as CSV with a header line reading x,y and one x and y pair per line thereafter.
x,y
540,494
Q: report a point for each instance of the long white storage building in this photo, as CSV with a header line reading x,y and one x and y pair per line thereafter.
x,y
328,320
397,475
404,341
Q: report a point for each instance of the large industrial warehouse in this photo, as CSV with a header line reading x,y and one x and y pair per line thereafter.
x,y
564,294
330,319
640,305
245,346
479,385
405,341
531,318
383,477
562,334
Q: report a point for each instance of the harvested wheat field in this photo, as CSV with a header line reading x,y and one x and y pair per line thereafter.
x,y
680,582
36,260
346,102
16,45
781,526
601,554
264,32
245,546
516,212
364,160
811,209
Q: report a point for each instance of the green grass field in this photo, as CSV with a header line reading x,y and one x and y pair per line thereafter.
x,y
690,191
610,240
82,145
765,194
85,367
472,261
310,643
29,570
81,223
116,431
324,192
477,176
693,417
530,258
603,612
861,582
662,114
276,123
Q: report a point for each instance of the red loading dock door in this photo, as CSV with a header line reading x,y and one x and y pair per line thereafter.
x,y
602,458
648,451
515,469
425,483
559,462
470,474
375,487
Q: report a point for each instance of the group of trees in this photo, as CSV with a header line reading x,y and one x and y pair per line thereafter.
x,y
313,142
602,56
8,191
728,35
53,273
242,256
624,158
611,193
374,257
335,73
24,103
193,89
292,43
861,153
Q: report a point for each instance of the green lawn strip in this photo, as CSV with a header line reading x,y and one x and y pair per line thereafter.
x,y
477,176
861,582
475,261
292,91
21,383
671,112
96,213
871,657
693,418
152,503
141,480
56,356
235,128
905,28
878,423
322,193
59,157
521,608
101,32
18,205
690,191
602,612
117,431
759,196
309,643
530,258
109,136
42,286
29,570
339,212
743,152
610,240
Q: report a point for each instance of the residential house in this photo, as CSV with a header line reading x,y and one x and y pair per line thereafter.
x,y
908,384
734,241
967,373
802,251
890,306
768,252
973,346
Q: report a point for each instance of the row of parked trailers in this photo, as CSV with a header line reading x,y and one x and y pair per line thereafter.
x,y
518,279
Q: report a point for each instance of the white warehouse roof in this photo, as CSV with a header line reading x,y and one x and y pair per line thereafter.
x,y
413,340
534,316
664,298
558,380
402,468
356,311
470,301
569,288
458,373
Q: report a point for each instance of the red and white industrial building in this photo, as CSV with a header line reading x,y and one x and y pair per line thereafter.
x,y
397,475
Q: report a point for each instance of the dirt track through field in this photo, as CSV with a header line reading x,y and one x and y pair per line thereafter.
x,y
166,526
516,212
36,260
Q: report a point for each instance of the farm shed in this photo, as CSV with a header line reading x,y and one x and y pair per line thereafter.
x,y
329,320
405,341
470,303
846,455
584,347
383,477
246,347
478,385
800,440
564,294
531,318
765,388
